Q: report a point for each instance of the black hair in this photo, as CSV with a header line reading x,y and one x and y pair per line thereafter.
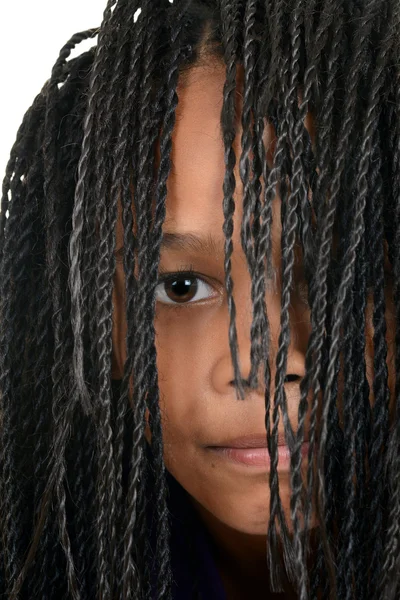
x,y
76,475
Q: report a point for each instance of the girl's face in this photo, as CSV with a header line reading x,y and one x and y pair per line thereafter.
x,y
197,395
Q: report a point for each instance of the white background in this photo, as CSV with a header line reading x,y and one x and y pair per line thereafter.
x,y
32,34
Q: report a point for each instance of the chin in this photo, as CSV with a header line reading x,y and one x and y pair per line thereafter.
x,y
247,512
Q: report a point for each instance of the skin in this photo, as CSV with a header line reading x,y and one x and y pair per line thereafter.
x,y
197,395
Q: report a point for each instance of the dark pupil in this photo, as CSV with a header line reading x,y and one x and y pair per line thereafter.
x,y
182,289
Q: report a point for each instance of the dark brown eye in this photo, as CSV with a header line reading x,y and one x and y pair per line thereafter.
x,y
181,288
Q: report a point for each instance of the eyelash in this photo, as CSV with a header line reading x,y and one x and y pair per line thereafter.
x,y
184,270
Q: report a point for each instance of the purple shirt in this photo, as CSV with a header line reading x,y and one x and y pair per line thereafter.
x,y
191,550
209,581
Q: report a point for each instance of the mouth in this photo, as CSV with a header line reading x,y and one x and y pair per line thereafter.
x,y
252,451
257,457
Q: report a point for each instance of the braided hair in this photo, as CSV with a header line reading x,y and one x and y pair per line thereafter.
x,y
75,474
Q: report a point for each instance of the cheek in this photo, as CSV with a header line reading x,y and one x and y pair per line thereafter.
x,y
183,364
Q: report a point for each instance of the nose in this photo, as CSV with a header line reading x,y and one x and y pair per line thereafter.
x,y
224,377
288,379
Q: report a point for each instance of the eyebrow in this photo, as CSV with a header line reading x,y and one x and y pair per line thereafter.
x,y
205,244
188,242
200,244
192,242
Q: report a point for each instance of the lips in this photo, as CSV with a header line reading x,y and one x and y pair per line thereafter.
x,y
255,457
256,440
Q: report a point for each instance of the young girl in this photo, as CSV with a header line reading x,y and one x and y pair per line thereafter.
x,y
199,342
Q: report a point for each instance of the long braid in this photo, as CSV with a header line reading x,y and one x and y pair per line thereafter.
x,y
346,499
361,401
262,226
82,454
16,414
249,52
135,503
260,321
122,166
75,258
289,221
315,345
380,413
348,518
390,579
59,318
171,102
74,280
347,276
374,212
105,199
260,229
121,173
59,442
324,140
109,75
381,392
298,195
148,131
14,275
41,350
230,23
149,127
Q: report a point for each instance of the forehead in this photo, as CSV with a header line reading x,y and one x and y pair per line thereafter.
x,y
197,172
195,184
